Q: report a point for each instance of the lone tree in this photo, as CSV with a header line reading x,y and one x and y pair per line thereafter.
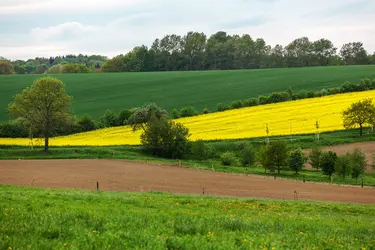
x,y
359,114
44,107
297,160
142,116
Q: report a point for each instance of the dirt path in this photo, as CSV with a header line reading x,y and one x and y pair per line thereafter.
x,y
127,176
368,148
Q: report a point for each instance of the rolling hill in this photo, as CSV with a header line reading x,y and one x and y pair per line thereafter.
x,y
294,117
95,93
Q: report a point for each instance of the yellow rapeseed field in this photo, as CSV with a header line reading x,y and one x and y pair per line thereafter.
x,y
295,117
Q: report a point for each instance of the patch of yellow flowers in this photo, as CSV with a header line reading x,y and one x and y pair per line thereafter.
x,y
294,117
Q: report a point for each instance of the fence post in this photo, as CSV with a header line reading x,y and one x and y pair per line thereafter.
x,y
97,186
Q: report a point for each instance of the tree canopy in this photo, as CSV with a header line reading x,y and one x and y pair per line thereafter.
x,y
44,107
359,114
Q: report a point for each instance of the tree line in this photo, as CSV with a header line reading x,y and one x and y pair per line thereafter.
x,y
55,65
220,51
197,51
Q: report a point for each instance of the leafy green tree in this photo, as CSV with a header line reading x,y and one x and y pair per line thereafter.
x,y
6,68
316,157
328,162
44,106
277,154
248,156
343,166
297,160
358,163
359,114
165,138
141,116
354,53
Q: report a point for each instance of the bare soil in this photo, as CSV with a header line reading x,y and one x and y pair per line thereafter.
x,y
141,177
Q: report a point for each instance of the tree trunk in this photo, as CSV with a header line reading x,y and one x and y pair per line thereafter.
x,y
360,129
278,170
46,141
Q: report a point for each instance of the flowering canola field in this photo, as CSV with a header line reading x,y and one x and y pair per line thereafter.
x,y
295,117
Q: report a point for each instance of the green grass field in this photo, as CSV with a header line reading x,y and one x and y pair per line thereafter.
x,y
32,218
95,93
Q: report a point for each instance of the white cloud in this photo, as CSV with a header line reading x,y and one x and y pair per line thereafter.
x,y
11,7
277,21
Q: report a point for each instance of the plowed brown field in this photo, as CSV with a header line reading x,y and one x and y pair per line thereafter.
x,y
140,177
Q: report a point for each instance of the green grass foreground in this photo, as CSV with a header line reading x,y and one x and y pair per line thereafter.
x,y
95,93
32,218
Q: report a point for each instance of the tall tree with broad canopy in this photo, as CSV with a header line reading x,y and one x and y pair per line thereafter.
x,y
45,106
359,114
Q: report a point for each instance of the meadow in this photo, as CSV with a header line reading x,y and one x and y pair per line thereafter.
x,y
33,218
95,93
288,118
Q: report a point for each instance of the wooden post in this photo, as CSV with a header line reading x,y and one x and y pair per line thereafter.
x,y
97,186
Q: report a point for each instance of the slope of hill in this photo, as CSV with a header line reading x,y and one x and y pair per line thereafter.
x,y
294,117
95,93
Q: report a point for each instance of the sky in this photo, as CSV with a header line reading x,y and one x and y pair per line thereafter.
x,y
44,28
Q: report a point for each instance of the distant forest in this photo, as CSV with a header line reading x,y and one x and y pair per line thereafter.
x,y
196,51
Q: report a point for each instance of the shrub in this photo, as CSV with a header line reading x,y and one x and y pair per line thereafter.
x,y
300,95
110,119
175,114
123,116
251,102
333,91
278,97
166,138
310,94
188,111
222,107
366,84
262,99
237,104
86,123
228,158
205,111
248,156
13,129
200,151
349,87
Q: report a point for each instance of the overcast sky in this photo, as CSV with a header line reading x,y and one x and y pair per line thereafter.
x,y
31,28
